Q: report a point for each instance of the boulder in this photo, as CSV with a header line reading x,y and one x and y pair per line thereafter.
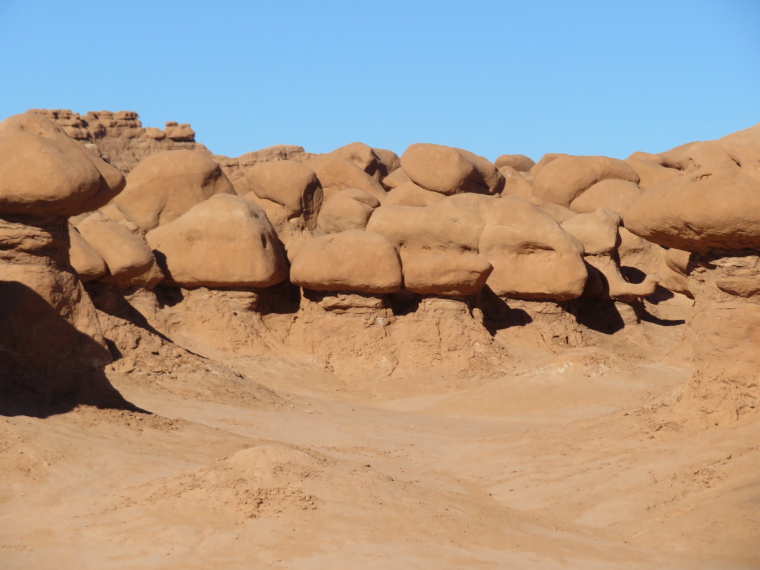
x,y
355,260
450,170
395,179
409,194
515,184
336,174
718,212
127,255
164,186
225,241
349,209
566,177
518,162
444,273
531,255
43,172
290,184
599,233
617,195
84,259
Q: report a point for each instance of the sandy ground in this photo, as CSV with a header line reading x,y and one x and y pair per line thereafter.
x,y
561,463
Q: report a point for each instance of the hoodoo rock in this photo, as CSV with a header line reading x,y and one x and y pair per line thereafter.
x,y
357,261
166,185
225,241
52,343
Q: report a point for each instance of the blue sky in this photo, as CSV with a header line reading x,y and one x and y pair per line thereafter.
x,y
494,77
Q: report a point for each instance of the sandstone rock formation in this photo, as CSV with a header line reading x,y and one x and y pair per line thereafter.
x,y
166,185
450,170
120,138
52,344
353,260
224,241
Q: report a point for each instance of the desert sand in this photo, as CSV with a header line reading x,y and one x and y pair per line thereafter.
x,y
366,360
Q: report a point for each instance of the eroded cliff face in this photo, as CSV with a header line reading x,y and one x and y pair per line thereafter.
x,y
120,138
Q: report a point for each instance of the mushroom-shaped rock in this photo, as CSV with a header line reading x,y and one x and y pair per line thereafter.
x,y
566,177
164,186
84,259
450,170
129,260
336,174
355,260
292,185
519,162
225,241
43,172
719,212
349,209
617,195
532,256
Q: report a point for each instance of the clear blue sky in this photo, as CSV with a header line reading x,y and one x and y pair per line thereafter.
x,y
582,77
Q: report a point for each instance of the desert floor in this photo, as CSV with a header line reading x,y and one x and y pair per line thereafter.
x,y
567,460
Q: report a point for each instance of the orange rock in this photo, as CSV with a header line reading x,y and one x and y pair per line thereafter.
x,y
450,170
532,256
519,162
44,172
349,209
566,177
292,185
164,186
348,261
225,241
127,255
617,195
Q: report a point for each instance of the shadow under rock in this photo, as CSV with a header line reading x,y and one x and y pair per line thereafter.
x,y
596,314
497,314
48,366
110,299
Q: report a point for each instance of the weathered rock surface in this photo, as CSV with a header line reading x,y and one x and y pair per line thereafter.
x,y
225,241
532,256
450,170
354,260
165,186
566,177
349,209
